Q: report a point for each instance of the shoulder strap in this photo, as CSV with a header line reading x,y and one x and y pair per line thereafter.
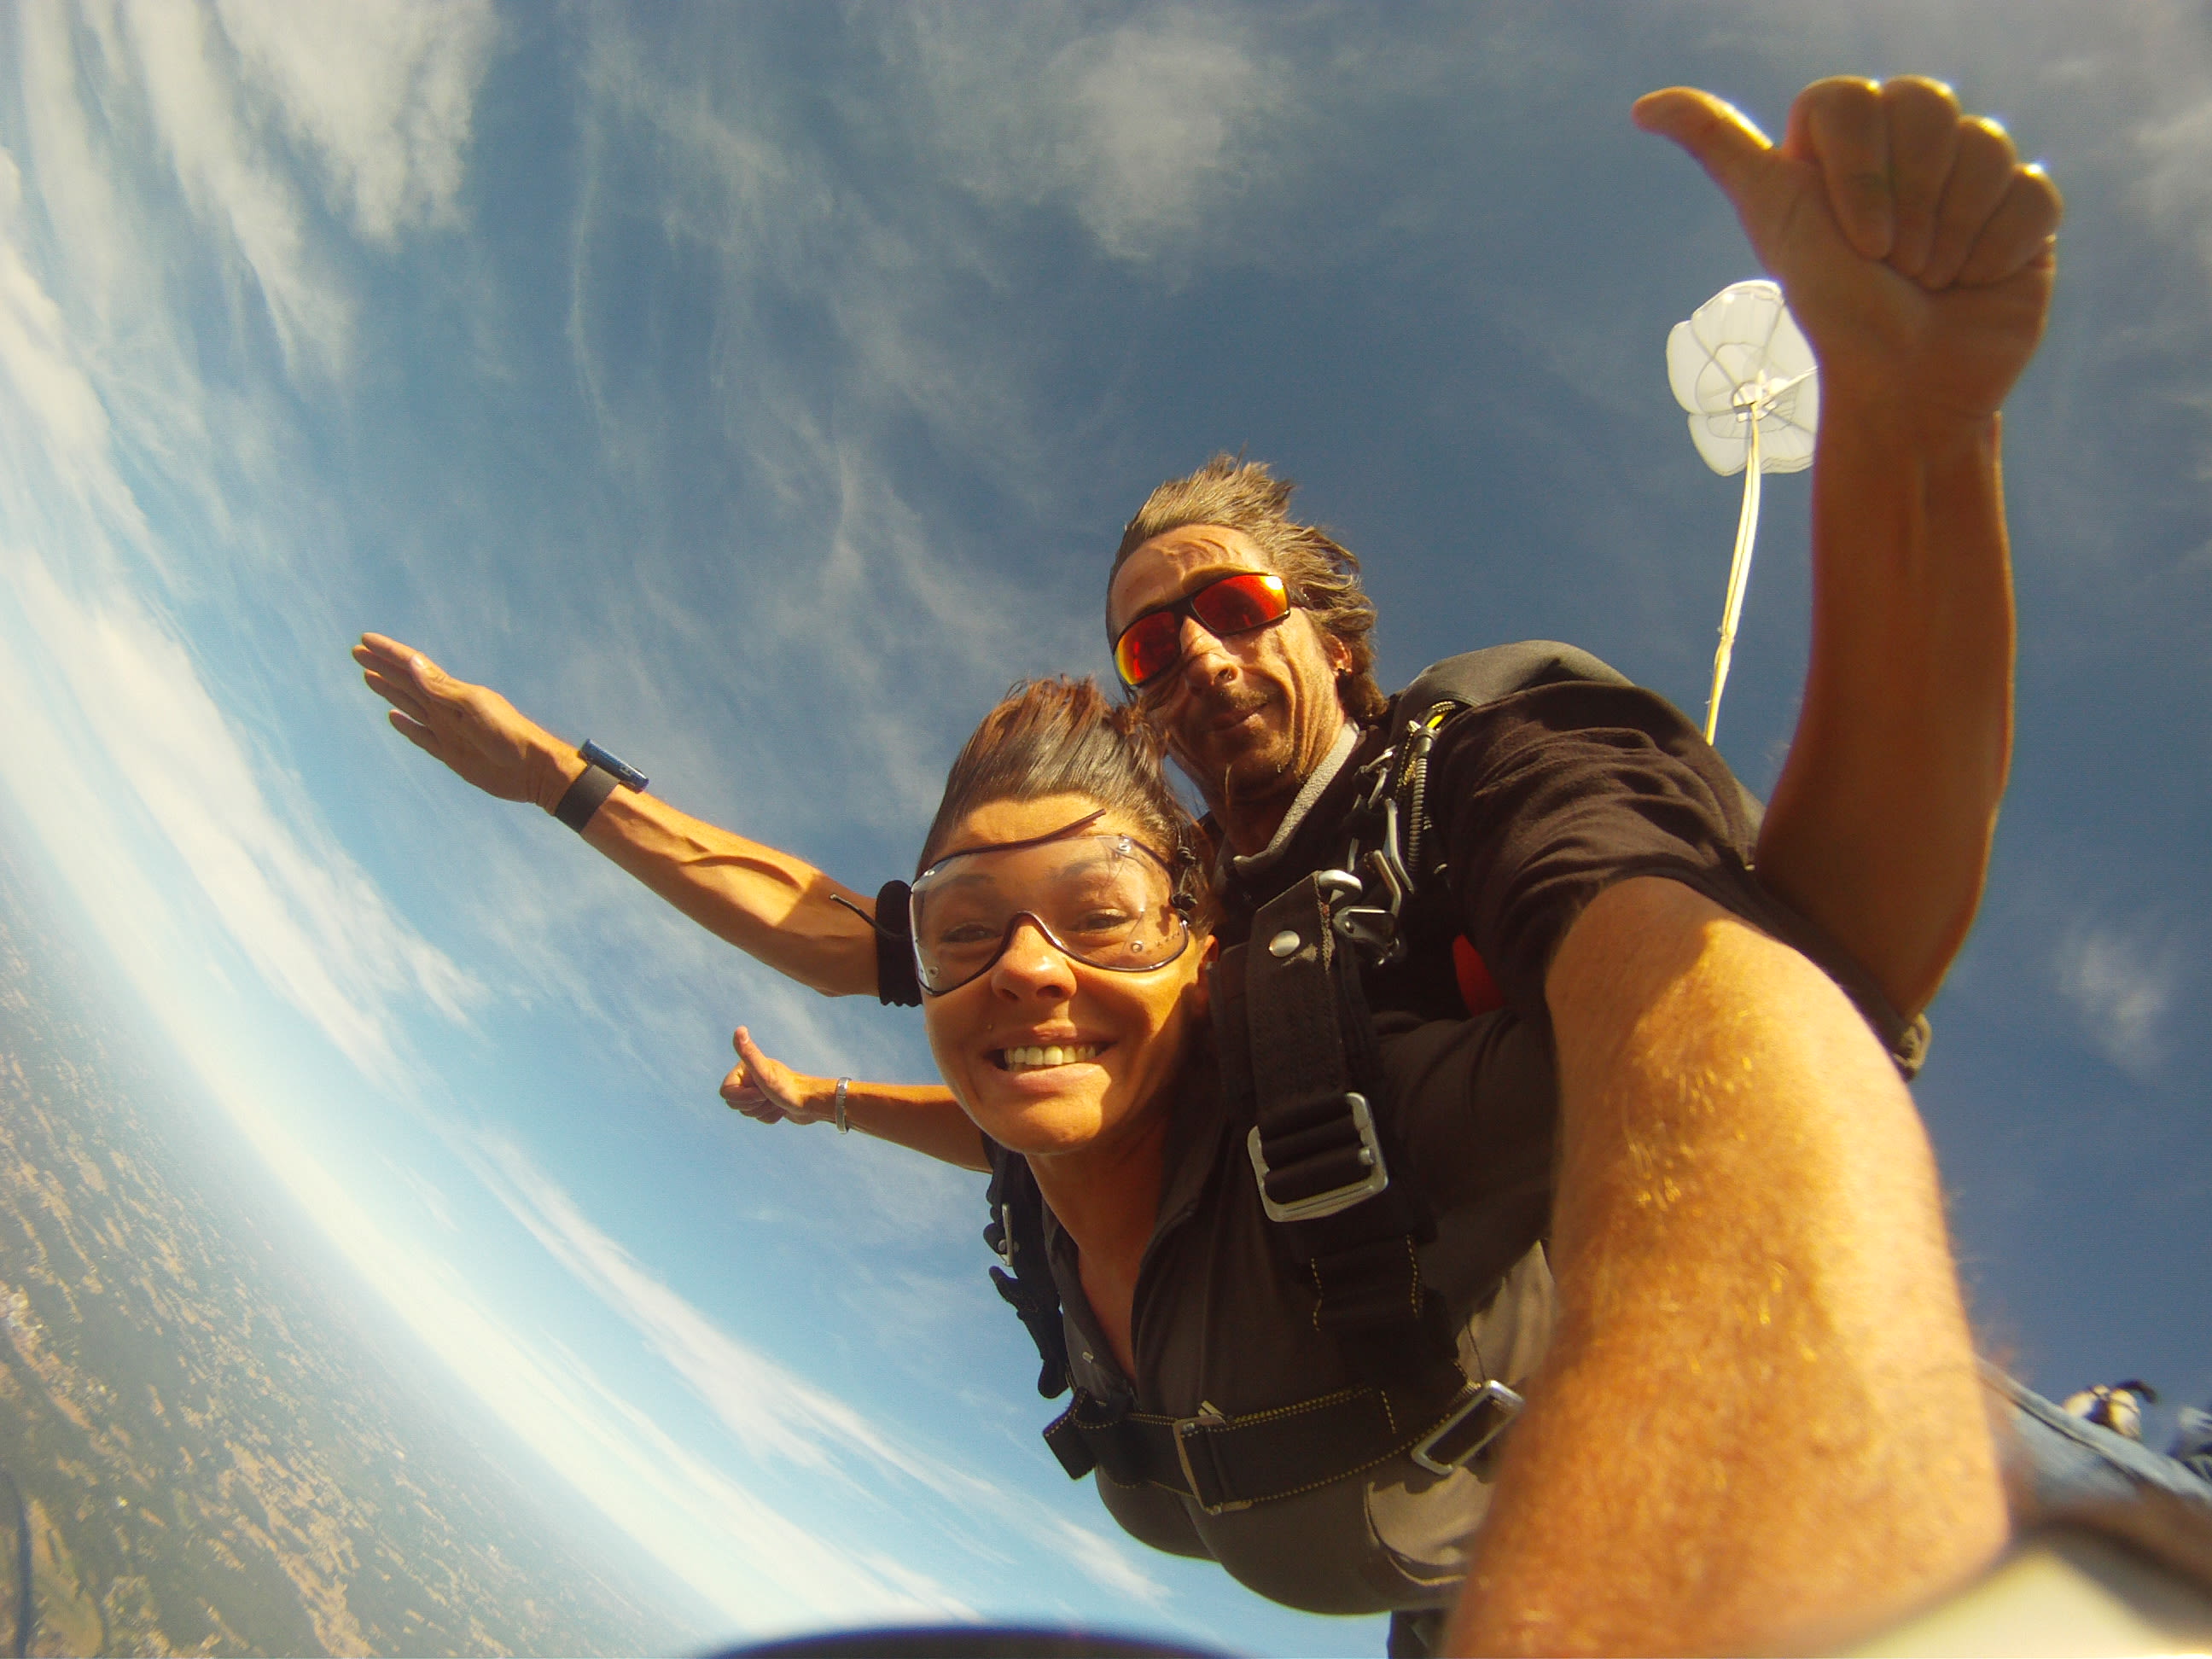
x,y
1016,1233
1322,1141
1475,677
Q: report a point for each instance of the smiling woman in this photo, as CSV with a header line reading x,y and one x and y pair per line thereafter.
x,y
1052,928
1055,961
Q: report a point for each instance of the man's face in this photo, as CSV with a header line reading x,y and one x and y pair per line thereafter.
x,y
1247,717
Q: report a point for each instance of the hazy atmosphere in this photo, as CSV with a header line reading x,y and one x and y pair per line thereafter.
x,y
758,390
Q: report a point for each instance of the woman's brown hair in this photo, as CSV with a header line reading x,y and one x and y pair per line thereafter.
x,y
1063,737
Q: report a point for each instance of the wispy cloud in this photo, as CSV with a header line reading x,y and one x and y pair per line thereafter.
x,y
269,872
1138,128
2121,983
56,415
257,108
384,95
773,1411
189,80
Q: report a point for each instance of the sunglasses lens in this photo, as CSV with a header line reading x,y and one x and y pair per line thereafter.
x,y
1152,645
1148,648
1237,605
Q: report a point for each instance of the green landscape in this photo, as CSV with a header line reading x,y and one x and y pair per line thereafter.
x,y
209,1458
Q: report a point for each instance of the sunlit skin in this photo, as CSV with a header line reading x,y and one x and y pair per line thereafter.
x,y
1093,1130
1249,717
1035,997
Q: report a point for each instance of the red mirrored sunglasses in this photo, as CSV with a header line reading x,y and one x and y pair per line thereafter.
x,y
1228,605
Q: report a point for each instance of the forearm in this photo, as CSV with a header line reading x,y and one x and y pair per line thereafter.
x,y
1881,823
776,909
922,1117
1759,1421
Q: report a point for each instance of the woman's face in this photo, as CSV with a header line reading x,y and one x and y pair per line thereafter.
x,y
1120,1036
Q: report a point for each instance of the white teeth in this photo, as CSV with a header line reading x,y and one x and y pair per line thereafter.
x,y
1027,1059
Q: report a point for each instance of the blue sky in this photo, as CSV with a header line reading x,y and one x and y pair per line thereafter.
x,y
758,391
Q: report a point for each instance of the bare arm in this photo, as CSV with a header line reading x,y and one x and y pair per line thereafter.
x,y
924,1118
1916,252
1760,1424
1883,820
772,907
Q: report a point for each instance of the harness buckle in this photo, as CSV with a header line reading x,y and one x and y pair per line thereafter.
x,y
1372,929
1205,1493
1333,885
1480,1419
1328,1202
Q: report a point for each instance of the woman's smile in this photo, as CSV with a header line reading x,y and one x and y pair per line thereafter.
x,y
1032,1057
1049,1054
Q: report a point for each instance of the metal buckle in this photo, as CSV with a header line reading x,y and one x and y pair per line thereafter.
x,y
1336,1197
1188,1429
1369,928
1337,883
1487,1413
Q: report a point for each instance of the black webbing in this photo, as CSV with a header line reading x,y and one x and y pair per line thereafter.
x,y
1312,1047
1228,1462
1016,1233
896,978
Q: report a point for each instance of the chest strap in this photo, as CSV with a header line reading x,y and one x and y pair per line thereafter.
x,y
1224,1463
1290,1007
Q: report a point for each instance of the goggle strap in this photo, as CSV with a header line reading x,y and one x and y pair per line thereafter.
x,y
1061,833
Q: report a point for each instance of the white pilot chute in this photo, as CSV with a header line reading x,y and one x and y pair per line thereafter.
x,y
1746,377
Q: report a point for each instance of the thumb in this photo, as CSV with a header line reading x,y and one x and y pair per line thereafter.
x,y
742,1041
1719,137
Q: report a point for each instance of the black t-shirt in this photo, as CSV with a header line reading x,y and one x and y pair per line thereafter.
x,y
1539,800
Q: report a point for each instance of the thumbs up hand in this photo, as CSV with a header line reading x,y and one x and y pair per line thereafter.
x,y
1916,250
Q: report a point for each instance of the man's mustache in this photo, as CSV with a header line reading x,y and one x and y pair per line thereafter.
x,y
1222,704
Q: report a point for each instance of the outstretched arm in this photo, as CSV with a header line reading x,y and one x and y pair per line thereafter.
x,y
1760,1424
924,1118
1916,253
771,906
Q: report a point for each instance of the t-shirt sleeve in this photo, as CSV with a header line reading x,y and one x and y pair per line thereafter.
x,y
1545,799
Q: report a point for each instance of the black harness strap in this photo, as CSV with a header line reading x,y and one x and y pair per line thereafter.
x,y
1321,1148
1016,1233
1232,1463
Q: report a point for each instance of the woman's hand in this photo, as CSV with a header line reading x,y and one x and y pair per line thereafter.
x,y
769,1091
471,728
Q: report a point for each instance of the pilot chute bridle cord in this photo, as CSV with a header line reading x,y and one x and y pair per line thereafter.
x,y
1746,376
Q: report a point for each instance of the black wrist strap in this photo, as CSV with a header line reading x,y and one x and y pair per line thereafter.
x,y
584,797
896,983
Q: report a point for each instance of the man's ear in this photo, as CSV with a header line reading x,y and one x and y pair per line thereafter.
x,y
1339,653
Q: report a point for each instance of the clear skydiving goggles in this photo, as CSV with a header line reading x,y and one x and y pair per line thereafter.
x,y
1104,900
